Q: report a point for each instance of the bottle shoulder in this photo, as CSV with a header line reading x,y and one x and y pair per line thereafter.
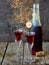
x,y
35,22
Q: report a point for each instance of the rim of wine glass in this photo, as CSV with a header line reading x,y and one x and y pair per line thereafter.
x,y
29,33
18,30
32,33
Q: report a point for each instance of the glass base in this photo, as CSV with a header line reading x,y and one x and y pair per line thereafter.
x,y
30,60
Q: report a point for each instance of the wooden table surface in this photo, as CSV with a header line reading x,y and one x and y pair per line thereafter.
x,y
11,54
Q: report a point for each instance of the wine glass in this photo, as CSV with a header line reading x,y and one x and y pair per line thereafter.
x,y
18,40
30,43
18,36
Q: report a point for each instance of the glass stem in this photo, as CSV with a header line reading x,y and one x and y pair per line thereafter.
x,y
30,50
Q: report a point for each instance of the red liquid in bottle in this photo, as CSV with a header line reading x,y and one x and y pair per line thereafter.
x,y
37,40
18,35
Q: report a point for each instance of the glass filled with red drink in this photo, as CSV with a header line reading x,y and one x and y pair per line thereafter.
x,y
18,40
30,43
18,36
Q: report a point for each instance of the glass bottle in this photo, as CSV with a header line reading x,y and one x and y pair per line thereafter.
x,y
37,28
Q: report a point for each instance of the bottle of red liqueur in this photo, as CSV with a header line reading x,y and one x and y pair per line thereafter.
x,y
37,28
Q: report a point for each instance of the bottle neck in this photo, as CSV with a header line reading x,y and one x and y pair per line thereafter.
x,y
36,16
